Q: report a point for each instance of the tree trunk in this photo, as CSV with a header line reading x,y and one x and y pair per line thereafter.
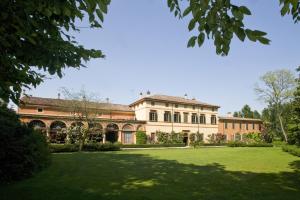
x,y
282,128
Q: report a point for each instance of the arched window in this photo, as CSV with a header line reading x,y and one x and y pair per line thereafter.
x,y
127,134
38,125
58,132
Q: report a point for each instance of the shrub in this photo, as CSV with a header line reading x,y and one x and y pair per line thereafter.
x,y
292,149
57,148
176,138
196,139
60,148
23,151
162,137
217,138
141,137
244,144
108,146
151,145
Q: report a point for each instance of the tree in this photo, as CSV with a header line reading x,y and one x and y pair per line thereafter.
x,y
277,90
85,109
294,126
246,112
36,40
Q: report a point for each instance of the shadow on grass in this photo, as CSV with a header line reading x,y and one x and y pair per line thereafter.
x,y
133,176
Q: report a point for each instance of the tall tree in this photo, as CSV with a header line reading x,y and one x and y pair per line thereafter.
x,y
277,90
85,109
36,40
294,127
247,112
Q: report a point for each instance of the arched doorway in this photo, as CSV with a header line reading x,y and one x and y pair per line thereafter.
x,y
58,132
111,133
95,132
185,138
38,125
127,134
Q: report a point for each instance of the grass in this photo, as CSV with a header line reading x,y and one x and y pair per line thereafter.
x,y
205,173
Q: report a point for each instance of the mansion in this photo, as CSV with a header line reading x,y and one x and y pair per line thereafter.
x,y
150,113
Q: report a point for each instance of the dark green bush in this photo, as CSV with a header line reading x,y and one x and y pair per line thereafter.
x,y
292,149
23,151
58,148
101,147
151,145
141,137
243,144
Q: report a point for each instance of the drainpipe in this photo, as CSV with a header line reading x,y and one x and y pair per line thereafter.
x,y
172,117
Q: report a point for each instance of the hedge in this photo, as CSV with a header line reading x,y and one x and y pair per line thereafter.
x,y
243,144
23,151
151,145
59,148
292,149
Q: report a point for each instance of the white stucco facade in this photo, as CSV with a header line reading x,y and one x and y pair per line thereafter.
x,y
142,109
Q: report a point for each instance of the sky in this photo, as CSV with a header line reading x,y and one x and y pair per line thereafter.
x,y
145,48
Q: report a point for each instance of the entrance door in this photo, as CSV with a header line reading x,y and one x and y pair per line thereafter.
x,y
128,137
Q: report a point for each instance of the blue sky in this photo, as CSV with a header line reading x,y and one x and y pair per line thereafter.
x,y
145,48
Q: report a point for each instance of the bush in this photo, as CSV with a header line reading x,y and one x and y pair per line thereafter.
x,y
23,151
196,139
108,146
162,137
217,138
292,149
58,148
244,144
141,137
151,145
176,138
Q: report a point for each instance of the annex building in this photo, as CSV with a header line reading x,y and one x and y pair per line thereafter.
x,y
150,113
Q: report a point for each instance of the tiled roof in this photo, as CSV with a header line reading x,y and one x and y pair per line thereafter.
x,y
173,99
64,103
238,118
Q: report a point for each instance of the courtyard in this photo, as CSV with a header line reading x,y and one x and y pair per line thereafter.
x,y
205,173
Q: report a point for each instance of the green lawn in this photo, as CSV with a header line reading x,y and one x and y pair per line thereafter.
x,y
207,173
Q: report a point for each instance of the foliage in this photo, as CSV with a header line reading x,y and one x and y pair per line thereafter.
x,y
246,112
84,108
217,138
59,148
108,146
23,151
162,137
196,139
276,91
244,144
36,40
176,138
294,125
152,145
218,20
292,149
252,137
141,137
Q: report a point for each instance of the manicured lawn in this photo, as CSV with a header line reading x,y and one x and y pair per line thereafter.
x,y
208,173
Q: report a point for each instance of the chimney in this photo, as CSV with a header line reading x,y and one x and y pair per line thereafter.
x,y
193,98
107,100
58,95
148,93
141,95
229,114
185,96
